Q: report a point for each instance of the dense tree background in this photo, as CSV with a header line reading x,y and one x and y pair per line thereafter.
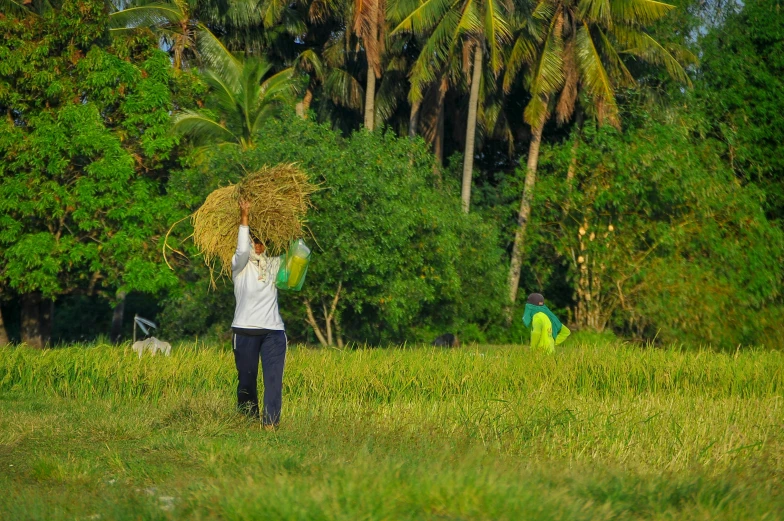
x,y
411,281
657,208
86,148
742,89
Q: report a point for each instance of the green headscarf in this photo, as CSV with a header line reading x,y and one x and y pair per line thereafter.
x,y
531,310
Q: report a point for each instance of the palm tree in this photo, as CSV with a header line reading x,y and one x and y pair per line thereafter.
x,y
572,46
308,64
369,26
180,33
243,99
459,30
25,7
427,87
336,47
391,93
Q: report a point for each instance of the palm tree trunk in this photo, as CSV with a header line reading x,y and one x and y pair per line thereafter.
x,y
413,120
438,147
473,105
438,143
573,163
304,105
413,126
525,212
572,170
370,86
370,99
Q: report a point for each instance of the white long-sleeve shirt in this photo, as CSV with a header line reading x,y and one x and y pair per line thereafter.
x,y
257,300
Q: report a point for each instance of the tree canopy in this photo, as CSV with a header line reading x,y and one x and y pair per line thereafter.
x,y
86,147
742,79
658,237
393,258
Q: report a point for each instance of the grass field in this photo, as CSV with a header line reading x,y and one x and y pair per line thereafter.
x,y
599,431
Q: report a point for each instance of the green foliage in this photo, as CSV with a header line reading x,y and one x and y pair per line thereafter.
x,y
447,29
742,83
194,308
85,143
660,239
568,46
408,263
243,96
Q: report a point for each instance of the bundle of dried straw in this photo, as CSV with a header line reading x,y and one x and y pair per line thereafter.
x,y
279,198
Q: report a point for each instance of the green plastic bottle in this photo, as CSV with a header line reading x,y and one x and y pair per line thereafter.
x,y
294,266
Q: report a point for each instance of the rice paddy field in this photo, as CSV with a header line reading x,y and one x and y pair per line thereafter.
x,y
601,430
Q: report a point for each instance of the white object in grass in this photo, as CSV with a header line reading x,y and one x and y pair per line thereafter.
x,y
153,345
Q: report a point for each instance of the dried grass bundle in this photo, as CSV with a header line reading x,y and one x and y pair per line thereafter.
x,y
279,198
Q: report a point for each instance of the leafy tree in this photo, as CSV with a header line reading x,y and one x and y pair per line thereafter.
x,y
659,239
85,146
393,260
348,38
742,84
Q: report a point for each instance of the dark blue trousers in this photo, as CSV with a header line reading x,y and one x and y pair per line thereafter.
x,y
271,348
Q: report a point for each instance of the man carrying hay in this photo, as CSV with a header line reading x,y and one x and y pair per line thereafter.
x,y
258,330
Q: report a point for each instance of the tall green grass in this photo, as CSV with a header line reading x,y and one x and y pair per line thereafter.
x,y
598,431
415,374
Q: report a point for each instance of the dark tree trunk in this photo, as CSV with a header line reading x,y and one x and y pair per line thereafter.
x,y
117,317
47,318
3,334
438,147
31,333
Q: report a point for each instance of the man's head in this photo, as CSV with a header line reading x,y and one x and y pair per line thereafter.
x,y
258,246
536,299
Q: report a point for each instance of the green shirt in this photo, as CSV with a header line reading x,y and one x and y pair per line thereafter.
x,y
542,334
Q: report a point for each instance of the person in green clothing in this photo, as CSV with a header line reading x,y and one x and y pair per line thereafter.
x,y
546,330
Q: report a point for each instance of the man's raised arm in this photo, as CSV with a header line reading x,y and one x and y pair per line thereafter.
x,y
242,254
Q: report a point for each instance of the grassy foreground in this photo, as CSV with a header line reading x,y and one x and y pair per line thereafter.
x,y
595,432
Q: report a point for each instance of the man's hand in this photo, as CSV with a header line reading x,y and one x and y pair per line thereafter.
x,y
244,210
